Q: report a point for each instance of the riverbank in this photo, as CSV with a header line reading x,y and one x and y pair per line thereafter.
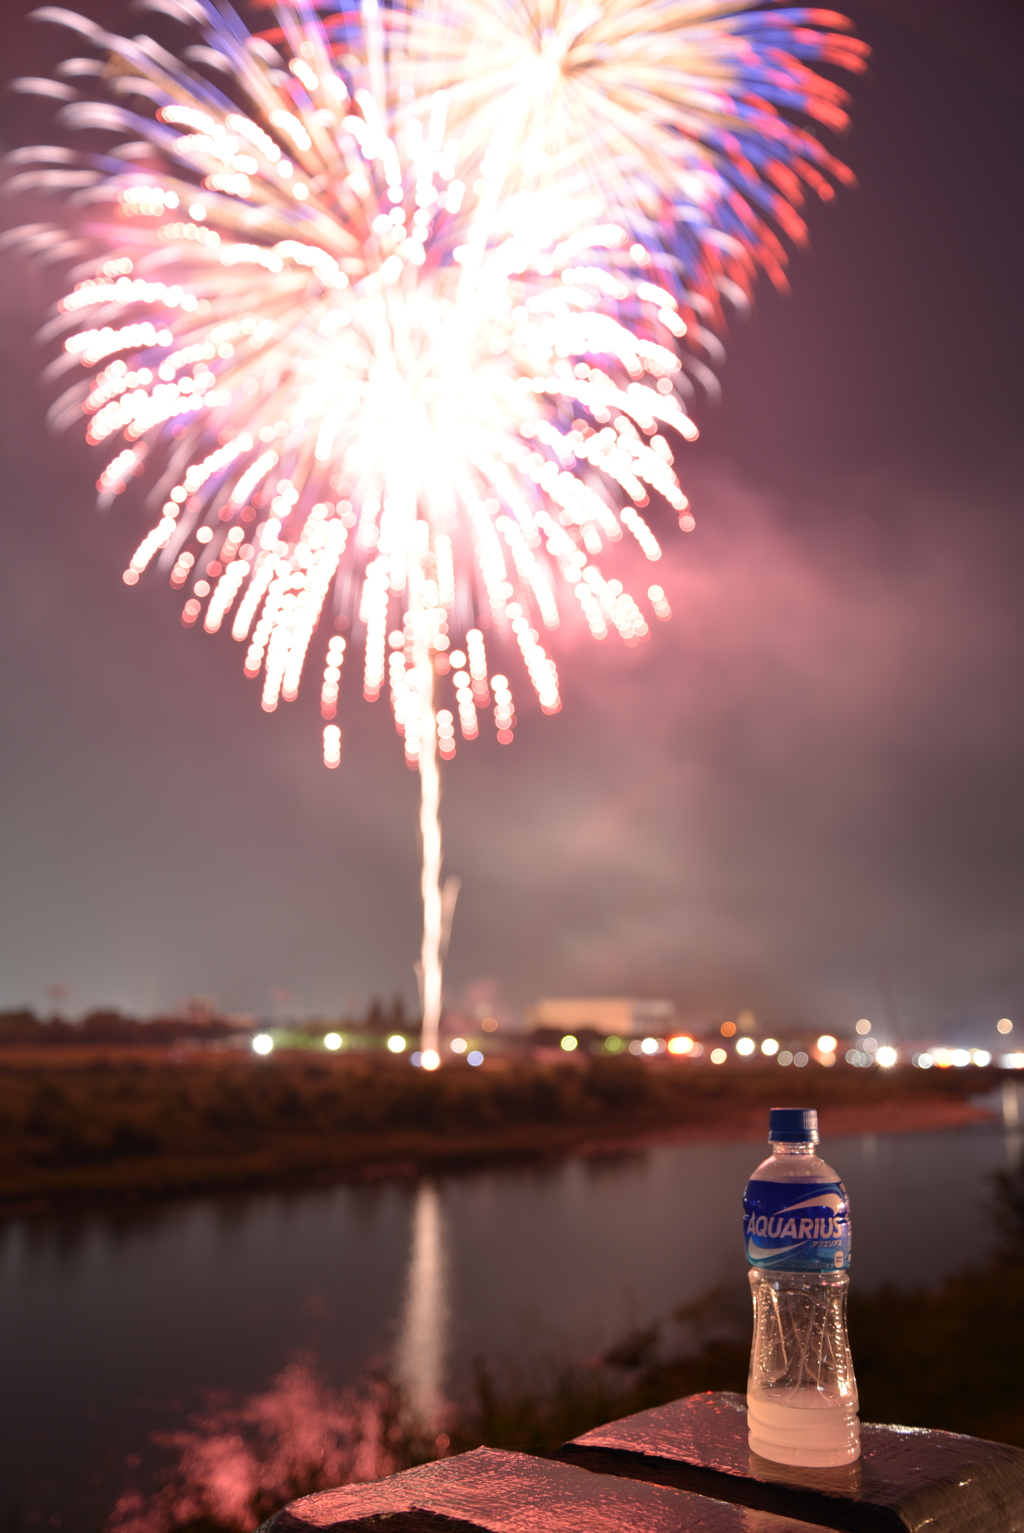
x,y
107,1124
948,1357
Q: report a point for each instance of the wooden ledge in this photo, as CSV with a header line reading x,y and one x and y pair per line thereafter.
x,y
487,1491
908,1480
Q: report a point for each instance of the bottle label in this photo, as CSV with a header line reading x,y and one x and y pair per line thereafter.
x,y
797,1226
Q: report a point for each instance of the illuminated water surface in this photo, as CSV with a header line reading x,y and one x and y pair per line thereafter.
x,y
114,1324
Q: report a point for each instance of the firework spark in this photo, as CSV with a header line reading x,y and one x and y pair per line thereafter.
x,y
403,338
672,114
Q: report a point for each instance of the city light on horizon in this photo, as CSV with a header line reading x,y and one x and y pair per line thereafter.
x,y
699,1045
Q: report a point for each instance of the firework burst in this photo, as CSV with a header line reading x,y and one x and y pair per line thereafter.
x,y
398,343
694,124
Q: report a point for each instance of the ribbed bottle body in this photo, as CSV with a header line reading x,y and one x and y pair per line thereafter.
x,y
801,1392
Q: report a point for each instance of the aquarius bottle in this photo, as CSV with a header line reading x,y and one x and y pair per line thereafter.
x,y
801,1393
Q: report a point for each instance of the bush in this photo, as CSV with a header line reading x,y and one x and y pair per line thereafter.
x,y
99,1120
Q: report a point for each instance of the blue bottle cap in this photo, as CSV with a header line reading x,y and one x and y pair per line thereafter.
x,y
793,1125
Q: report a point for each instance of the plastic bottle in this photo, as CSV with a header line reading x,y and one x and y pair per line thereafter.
x,y
801,1393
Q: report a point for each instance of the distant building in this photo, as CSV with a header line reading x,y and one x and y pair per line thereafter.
x,y
622,1015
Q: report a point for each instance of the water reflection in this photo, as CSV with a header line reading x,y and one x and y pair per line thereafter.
x,y
139,1313
422,1344
1012,1116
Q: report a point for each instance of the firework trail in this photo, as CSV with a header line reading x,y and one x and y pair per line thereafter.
x,y
397,315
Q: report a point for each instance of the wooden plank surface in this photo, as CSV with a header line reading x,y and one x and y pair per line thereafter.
x,y
907,1480
487,1491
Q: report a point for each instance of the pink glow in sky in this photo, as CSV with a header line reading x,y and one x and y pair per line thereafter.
x,y
809,776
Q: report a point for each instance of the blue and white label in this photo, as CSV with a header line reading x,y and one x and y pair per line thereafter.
x,y
797,1226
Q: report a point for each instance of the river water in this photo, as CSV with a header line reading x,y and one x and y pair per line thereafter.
x,y
114,1324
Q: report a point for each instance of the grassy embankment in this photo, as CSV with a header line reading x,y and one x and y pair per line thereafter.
x,y
78,1123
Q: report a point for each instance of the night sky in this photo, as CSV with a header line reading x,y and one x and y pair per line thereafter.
x,y
801,796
